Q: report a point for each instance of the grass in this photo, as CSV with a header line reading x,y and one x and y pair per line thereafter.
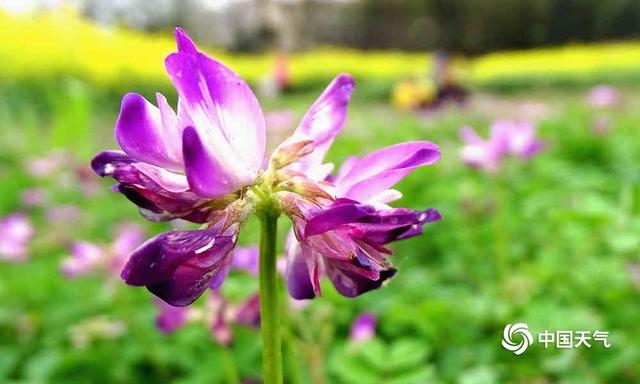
x,y
547,242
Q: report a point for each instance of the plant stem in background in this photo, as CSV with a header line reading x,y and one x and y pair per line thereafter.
x,y
501,228
269,311
229,366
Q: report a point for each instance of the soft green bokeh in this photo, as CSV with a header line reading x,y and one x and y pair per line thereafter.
x,y
547,242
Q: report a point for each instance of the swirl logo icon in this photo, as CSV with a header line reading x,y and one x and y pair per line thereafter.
x,y
518,329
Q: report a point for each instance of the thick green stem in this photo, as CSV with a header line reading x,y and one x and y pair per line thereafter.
x,y
269,310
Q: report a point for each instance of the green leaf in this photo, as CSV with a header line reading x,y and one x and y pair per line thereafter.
x,y
407,354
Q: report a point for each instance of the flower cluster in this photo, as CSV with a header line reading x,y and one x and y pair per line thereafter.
x,y
86,257
16,231
506,137
205,162
603,96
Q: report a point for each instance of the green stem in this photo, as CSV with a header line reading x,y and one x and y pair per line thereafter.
x,y
269,311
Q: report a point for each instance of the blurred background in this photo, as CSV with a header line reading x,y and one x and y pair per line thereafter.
x,y
550,239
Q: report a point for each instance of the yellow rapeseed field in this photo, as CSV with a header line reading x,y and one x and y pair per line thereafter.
x,y
64,43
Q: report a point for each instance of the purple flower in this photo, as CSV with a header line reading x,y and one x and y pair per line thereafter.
x,y
346,239
86,257
363,328
206,163
217,314
517,138
603,96
16,231
169,318
507,137
480,153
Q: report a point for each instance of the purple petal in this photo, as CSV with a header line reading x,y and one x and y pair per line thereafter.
x,y
207,176
324,121
159,193
143,134
352,280
297,275
178,266
337,214
382,169
394,224
223,110
184,42
377,227
363,327
345,168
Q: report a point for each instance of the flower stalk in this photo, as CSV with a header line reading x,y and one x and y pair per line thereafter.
x,y
269,309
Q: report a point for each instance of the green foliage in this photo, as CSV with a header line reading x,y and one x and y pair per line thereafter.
x,y
549,242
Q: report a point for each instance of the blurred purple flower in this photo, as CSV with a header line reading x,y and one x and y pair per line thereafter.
x,y
480,153
63,214
169,318
517,138
217,314
603,96
507,137
47,165
33,197
16,231
363,328
86,257
206,163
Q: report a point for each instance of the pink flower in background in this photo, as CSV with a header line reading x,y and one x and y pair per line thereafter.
x,y
517,138
169,318
86,257
480,153
363,328
63,214
48,165
16,231
603,96
34,197
506,138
